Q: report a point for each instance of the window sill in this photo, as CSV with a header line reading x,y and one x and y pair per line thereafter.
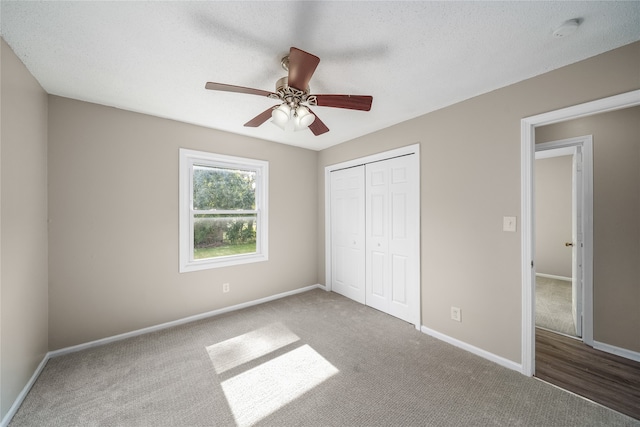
x,y
206,264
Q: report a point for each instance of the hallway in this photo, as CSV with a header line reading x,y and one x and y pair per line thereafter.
x,y
610,380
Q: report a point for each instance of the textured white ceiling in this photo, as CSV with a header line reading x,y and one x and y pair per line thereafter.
x,y
412,57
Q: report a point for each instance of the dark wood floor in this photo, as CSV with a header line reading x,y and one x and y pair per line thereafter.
x,y
605,378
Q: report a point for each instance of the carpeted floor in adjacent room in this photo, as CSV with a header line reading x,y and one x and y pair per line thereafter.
x,y
553,305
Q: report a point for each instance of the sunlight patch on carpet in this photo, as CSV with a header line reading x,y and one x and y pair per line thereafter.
x,y
252,345
260,391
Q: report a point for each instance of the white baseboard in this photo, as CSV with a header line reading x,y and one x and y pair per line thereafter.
x,y
475,350
16,404
618,351
178,322
551,276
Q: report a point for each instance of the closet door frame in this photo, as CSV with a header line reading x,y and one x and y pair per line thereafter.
x,y
403,151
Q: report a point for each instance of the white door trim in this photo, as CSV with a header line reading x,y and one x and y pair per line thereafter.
x,y
403,151
569,146
527,157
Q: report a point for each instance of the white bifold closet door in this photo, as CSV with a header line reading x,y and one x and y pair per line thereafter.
x,y
392,237
380,236
347,233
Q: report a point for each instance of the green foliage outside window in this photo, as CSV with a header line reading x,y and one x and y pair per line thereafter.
x,y
223,189
220,189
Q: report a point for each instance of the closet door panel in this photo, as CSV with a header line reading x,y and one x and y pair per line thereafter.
x,y
392,284
378,280
404,238
348,233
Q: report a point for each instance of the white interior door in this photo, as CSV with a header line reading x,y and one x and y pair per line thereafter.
x,y
581,227
576,239
348,233
392,237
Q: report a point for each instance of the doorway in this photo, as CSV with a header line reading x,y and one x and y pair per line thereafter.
x,y
372,234
528,127
593,370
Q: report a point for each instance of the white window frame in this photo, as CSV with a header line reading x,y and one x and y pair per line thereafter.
x,y
190,158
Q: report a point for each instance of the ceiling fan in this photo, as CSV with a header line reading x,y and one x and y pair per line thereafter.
x,y
295,98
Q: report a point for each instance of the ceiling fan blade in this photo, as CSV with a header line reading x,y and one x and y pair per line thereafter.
x,y
302,65
238,89
351,102
260,118
317,127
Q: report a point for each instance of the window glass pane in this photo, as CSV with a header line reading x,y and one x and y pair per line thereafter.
x,y
217,235
223,189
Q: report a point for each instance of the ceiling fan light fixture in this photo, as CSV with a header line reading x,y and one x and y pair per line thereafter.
x,y
303,118
281,115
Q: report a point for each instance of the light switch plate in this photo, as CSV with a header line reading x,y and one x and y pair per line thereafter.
x,y
509,223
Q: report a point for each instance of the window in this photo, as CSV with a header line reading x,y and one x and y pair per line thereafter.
x,y
223,210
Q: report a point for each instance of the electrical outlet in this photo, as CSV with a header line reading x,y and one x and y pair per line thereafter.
x,y
225,287
456,314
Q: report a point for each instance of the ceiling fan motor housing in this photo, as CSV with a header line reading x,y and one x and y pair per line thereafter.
x,y
292,96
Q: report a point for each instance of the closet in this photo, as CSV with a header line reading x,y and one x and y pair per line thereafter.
x,y
375,235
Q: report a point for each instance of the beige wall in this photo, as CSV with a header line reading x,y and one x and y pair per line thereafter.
x,y
23,227
616,220
113,208
470,179
553,194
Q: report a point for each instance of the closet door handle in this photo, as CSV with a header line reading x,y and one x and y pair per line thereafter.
x,y
568,244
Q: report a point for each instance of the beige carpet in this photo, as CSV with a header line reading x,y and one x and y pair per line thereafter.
x,y
553,305
313,359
